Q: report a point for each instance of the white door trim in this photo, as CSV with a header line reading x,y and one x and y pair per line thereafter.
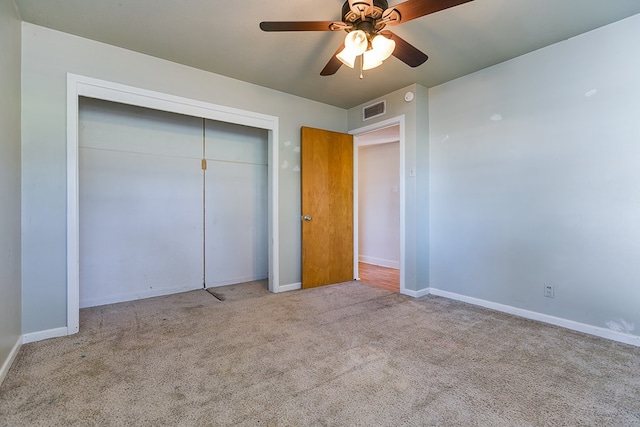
x,y
99,89
394,121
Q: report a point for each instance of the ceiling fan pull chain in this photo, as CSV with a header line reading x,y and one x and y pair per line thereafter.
x,y
361,66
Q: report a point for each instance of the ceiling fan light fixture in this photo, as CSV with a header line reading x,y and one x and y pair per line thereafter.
x,y
363,20
355,44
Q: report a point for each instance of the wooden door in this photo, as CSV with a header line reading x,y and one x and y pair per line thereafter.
x,y
327,207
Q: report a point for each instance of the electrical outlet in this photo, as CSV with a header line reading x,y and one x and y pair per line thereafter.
x,y
549,290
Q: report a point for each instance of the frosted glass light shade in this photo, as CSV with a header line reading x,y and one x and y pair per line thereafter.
x,y
383,46
346,57
370,60
355,43
381,49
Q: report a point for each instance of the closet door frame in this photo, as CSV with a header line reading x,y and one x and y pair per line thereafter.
x,y
78,86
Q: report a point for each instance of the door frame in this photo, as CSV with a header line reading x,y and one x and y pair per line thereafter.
x,y
394,121
78,86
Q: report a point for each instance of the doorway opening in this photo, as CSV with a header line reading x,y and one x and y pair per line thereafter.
x,y
379,211
379,229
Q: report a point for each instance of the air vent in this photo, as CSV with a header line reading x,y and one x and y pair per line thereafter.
x,y
375,110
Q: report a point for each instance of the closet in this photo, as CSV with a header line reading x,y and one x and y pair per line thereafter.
x,y
168,203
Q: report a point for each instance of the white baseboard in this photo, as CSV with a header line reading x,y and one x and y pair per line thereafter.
x,y
545,318
289,287
415,294
95,302
9,360
44,335
379,261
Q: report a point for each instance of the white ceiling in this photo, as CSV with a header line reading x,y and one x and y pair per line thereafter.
x,y
223,37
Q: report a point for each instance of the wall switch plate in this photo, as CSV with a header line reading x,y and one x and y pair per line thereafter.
x,y
549,291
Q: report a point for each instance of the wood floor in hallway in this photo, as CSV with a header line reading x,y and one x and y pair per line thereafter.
x,y
381,277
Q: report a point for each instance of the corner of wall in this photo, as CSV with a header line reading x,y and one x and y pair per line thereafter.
x,y
10,184
15,8
4,369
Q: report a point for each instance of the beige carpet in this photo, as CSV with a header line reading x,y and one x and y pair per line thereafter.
x,y
344,355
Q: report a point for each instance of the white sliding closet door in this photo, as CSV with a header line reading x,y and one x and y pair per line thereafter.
x,y
141,227
236,244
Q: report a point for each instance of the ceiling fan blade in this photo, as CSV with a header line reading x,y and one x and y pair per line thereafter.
x,y
296,26
406,52
412,9
334,63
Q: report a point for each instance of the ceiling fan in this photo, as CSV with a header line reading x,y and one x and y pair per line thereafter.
x,y
364,21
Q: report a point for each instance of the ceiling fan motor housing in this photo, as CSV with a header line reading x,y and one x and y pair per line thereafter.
x,y
375,13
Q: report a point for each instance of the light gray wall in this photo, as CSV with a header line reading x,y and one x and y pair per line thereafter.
x,y
47,58
379,204
422,186
416,192
10,293
551,193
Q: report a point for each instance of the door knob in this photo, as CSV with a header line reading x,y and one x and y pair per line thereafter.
x,y
306,218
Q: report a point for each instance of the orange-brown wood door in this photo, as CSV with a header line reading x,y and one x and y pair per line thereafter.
x,y
327,207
